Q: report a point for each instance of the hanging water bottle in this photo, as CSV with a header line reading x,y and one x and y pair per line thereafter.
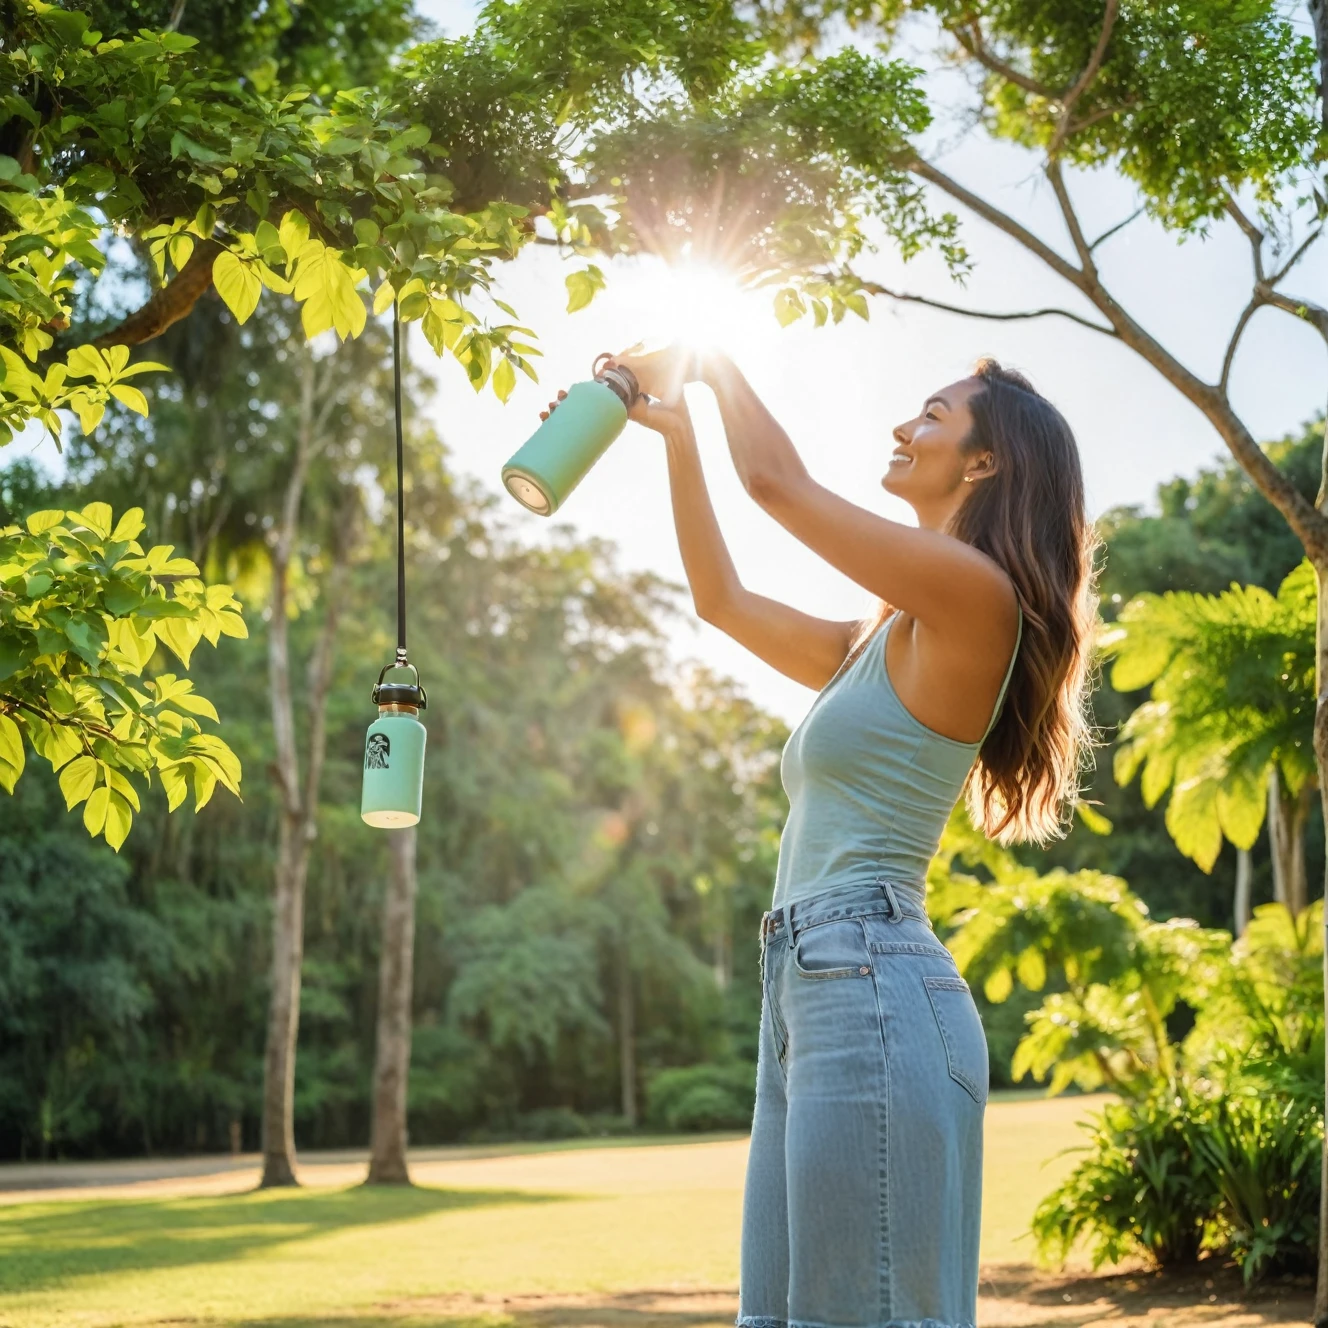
x,y
393,791
394,753
555,459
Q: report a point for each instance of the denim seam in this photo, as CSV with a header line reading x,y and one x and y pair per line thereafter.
x,y
886,1287
907,947
779,1030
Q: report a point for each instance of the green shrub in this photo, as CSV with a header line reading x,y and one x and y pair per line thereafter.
x,y
1236,1171
552,1123
1140,1190
703,1097
1263,1152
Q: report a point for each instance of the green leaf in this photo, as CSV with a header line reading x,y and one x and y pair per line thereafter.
x,y
129,526
175,784
294,234
181,635
121,786
11,753
504,379
788,306
237,284
40,522
77,780
1031,969
94,814
117,820
131,397
998,985
97,518
582,286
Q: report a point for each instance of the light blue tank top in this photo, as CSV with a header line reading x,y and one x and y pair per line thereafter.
x,y
870,787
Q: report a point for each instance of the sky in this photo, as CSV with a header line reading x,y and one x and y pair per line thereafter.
x,y
840,390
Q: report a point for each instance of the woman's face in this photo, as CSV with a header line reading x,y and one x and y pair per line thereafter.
x,y
929,464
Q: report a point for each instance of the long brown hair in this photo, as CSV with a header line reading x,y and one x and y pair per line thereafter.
x,y
1029,518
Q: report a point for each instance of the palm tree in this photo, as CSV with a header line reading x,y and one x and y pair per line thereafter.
x,y
1228,726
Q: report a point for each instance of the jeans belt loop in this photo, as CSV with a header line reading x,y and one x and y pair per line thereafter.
x,y
896,913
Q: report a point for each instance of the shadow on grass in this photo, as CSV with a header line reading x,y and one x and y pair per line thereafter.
x,y
1201,1296
627,1309
44,1244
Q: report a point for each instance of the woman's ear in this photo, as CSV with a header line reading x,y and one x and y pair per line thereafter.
x,y
983,467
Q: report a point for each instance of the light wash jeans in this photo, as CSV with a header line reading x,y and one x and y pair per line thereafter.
x,y
864,1181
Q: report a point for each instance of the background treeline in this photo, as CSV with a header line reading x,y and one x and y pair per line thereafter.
x,y
602,826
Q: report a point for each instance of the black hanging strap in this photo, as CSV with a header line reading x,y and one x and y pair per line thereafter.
x,y
401,489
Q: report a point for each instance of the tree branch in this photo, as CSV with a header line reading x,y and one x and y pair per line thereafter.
x,y
1252,233
1310,526
1295,258
170,303
874,288
1102,113
1001,220
1314,314
1119,226
1080,85
1256,303
974,45
1081,245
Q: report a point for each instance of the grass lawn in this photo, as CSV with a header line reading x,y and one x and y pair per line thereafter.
x,y
591,1222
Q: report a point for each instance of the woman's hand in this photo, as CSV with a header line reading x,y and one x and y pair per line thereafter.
x,y
661,373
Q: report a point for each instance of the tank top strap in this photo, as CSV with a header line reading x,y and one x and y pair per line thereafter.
x,y
1009,673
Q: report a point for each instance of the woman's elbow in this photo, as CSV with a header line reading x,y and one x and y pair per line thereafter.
x,y
768,489
712,611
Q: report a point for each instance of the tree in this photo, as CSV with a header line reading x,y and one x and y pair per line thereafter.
x,y
1228,728
388,1133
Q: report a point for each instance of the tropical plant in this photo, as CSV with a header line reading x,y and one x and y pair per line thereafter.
x,y
1141,1188
1228,728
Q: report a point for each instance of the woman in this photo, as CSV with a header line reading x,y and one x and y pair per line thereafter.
x,y
864,1177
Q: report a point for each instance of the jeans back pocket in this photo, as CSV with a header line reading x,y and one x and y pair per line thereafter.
x,y
962,1033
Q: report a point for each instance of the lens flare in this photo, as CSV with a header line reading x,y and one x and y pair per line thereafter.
x,y
700,304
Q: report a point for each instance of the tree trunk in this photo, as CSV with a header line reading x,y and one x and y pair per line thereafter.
x,y
298,801
1287,819
387,1157
1298,886
626,1032
1321,763
721,955
1244,871
283,1018
1279,838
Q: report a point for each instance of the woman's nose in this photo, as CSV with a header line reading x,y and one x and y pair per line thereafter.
x,y
902,434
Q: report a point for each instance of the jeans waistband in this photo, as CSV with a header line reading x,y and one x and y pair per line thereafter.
x,y
880,897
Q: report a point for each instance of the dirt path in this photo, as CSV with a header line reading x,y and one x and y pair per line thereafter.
x,y
1012,1296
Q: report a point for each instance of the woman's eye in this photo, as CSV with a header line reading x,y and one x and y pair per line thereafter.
x,y
932,415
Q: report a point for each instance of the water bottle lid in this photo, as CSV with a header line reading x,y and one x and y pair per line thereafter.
x,y
399,693
620,380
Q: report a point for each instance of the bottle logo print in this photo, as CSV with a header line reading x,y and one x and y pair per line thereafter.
x,y
377,751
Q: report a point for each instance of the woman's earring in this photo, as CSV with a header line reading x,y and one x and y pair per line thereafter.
x,y
968,479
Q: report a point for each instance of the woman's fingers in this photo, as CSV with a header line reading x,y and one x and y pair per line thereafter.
x,y
553,405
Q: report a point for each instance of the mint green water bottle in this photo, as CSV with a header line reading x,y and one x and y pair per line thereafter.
x,y
555,459
393,791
